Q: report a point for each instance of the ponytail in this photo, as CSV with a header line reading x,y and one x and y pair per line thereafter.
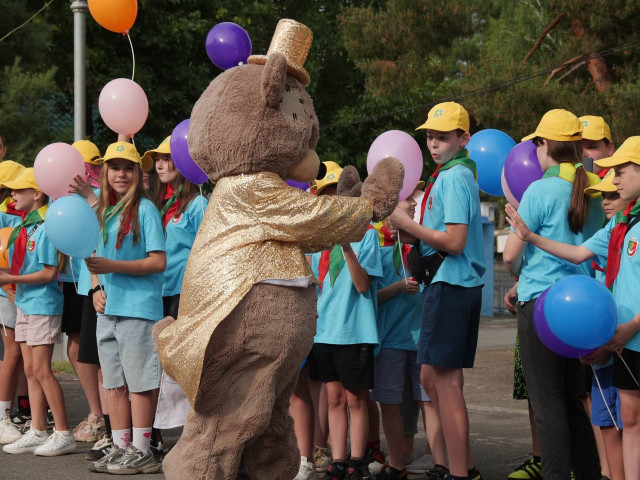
x,y
571,152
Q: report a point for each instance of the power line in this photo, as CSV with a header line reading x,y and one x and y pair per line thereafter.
x,y
487,89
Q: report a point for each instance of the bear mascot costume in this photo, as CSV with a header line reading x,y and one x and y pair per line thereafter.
x,y
247,313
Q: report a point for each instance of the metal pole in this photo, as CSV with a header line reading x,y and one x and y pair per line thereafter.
x,y
79,9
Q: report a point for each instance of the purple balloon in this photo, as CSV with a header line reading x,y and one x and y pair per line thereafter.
x,y
300,185
180,154
522,168
228,45
548,338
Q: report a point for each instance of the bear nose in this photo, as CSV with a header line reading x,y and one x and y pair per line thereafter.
x,y
321,172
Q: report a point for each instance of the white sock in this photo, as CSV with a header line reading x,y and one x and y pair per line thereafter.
x,y
142,439
122,438
5,409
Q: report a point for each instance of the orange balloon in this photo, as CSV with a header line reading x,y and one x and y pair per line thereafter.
x,y
115,15
5,233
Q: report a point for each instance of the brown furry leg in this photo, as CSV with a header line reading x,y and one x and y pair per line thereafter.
x,y
250,369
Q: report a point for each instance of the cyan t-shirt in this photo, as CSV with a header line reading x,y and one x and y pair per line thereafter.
x,y
138,296
400,317
346,317
43,299
455,198
544,208
72,272
625,287
181,232
8,221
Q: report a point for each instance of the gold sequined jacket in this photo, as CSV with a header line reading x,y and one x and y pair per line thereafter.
x,y
255,228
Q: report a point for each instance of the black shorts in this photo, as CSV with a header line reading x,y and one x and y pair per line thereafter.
x,y
622,379
71,309
352,365
450,323
170,306
88,351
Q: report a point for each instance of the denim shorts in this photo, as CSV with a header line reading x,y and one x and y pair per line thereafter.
x,y
391,366
127,353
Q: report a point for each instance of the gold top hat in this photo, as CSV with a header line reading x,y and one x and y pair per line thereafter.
x,y
293,40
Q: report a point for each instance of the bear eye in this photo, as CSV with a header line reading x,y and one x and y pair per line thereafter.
x,y
292,103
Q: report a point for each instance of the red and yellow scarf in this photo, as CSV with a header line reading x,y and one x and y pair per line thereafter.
x,y
18,236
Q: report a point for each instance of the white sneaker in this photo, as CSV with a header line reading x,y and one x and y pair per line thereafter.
x,y
57,444
307,470
27,443
9,431
422,464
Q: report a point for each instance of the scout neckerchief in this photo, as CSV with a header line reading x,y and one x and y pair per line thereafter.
x,y
171,205
9,207
460,158
400,250
20,238
617,239
110,212
567,171
330,261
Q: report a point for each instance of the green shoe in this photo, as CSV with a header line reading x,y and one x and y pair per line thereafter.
x,y
529,470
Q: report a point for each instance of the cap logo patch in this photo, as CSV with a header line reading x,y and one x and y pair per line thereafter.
x,y
119,148
438,113
331,176
632,247
585,123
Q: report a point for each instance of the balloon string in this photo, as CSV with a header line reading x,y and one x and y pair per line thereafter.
x,y
595,375
629,370
73,275
404,272
201,200
133,58
2,320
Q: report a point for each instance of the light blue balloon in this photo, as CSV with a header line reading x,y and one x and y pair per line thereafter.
x,y
72,226
581,312
489,149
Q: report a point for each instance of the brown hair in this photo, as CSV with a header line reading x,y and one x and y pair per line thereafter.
x,y
571,152
130,201
189,191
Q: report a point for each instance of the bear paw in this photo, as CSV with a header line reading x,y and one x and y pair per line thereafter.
x,y
159,327
383,186
349,184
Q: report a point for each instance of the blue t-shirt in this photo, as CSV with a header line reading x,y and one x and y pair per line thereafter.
x,y
138,296
346,317
181,232
544,208
43,299
455,198
625,287
400,317
72,272
8,221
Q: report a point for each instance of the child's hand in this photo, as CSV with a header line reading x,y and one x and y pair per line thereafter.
x,y
623,333
515,220
98,265
600,357
399,218
99,301
410,286
510,298
81,187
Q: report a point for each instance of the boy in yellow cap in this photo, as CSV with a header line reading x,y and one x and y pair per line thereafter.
x,y
328,185
450,236
596,140
8,171
618,242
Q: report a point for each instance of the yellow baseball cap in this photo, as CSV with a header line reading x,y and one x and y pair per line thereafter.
x,y
25,179
445,117
126,151
629,151
331,178
606,185
595,128
558,124
89,151
164,147
9,170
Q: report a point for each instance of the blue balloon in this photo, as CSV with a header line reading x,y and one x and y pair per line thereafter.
x,y
581,312
72,226
489,149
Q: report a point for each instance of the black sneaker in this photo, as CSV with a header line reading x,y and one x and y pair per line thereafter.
x,y
20,418
158,452
389,474
100,448
353,474
439,472
374,461
474,474
50,421
331,475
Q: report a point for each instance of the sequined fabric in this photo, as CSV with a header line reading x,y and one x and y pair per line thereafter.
x,y
256,227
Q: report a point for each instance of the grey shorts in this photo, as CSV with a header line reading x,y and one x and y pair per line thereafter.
x,y
127,353
392,367
8,312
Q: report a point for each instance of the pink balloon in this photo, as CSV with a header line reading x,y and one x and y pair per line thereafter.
x,y
55,167
123,106
403,147
507,192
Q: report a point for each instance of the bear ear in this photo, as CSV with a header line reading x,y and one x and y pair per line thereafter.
x,y
274,77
